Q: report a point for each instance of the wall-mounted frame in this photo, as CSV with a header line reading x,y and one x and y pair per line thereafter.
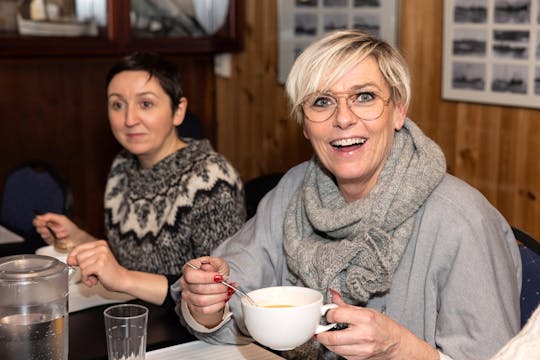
x,y
303,21
492,52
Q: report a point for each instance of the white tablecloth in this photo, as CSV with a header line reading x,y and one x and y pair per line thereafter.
x,y
8,237
82,297
199,350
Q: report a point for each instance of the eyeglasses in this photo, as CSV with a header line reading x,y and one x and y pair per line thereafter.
x,y
365,105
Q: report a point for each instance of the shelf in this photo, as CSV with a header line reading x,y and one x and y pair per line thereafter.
x,y
116,39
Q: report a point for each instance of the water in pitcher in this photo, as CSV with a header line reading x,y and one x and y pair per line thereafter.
x,y
38,334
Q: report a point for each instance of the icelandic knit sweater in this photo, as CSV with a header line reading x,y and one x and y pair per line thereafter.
x,y
183,207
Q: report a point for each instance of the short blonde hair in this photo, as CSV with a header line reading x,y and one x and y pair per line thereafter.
x,y
328,59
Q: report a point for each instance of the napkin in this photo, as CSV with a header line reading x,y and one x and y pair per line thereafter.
x,y
83,297
199,350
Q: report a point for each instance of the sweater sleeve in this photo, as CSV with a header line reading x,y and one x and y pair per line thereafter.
x,y
169,304
216,215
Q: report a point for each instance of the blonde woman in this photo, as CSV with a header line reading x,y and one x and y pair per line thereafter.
x,y
419,262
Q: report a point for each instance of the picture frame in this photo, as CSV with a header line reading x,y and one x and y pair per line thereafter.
x,y
300,22
491,52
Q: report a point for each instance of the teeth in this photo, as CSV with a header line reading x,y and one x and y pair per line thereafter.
x,y
349,142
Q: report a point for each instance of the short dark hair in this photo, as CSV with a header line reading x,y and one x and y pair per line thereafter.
x,y
156,66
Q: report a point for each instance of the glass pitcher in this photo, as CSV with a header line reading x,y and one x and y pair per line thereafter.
x,y
33,308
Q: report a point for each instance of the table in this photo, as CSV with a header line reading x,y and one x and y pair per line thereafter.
x,y
87,331
9,237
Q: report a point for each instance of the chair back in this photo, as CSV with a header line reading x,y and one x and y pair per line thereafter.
x,y
191,127
529,250
32,187
256,188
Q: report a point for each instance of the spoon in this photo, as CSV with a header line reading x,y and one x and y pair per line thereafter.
x,y
236,288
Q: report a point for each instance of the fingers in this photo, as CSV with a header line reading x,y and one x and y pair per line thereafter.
x,y
82,249
51,225
369,333
208,263
201,287
52,218
205,270
95,260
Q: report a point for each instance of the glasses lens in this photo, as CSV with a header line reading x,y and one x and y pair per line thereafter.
x,y
367,110
321,107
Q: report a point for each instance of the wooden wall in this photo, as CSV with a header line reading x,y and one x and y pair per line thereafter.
x,y
494,148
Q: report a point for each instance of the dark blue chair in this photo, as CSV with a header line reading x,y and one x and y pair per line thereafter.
x,y
32,187
256,188
529,250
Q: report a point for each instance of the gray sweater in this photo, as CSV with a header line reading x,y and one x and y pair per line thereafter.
x,y
457,285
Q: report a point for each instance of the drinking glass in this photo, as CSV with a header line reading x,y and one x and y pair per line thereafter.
x,y
125,327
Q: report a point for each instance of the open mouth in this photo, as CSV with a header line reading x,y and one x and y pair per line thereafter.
x,y
348,143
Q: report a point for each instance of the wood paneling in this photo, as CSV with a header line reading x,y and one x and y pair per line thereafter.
x,y
493,148
254,129
55,110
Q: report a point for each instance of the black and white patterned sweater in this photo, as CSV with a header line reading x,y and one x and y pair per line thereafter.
x,y
183,207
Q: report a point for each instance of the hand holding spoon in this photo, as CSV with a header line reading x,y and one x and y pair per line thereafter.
x,y
236,289
60,245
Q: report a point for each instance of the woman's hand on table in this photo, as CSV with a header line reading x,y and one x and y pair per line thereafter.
x,y
64,229
202,290
371,335
97,262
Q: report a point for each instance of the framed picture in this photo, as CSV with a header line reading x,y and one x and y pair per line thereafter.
x,y
492,52
300,22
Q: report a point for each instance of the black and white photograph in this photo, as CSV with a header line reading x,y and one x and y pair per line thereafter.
x,y
512,11
491,52
305,24
369,23
509,78
469,42
537,80
468,76
335,22
511,44
304,21
335,3
367,3
470,11
304,3
538,45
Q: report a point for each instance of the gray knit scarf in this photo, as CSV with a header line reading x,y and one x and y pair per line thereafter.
x,y
355,247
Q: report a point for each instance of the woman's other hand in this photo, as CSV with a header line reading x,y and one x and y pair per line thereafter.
x,y
371,335
97,262
202,290
51,225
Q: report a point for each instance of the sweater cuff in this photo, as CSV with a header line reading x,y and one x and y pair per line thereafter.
x,y
227,314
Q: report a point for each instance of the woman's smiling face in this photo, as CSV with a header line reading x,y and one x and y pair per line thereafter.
x,y
352,149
